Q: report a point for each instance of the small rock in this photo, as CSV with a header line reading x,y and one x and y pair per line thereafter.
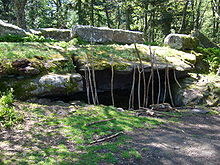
x,y
44,101
31,71
120,109
21,63
202,111
218,72
76,102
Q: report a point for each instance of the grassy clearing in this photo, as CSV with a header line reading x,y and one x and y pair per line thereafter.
x,y
18,50
56,137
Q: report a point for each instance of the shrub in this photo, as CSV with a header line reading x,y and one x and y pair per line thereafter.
x,y
212,56
28,38
8,116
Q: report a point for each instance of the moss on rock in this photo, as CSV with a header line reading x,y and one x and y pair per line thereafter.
x,y
123,57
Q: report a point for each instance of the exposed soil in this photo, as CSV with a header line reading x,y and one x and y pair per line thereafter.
x,y
194,140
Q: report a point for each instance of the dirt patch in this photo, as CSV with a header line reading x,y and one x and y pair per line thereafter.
x,y
194,140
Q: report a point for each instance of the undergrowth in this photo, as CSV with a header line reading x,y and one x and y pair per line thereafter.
x,y
8,116
212,56
27,38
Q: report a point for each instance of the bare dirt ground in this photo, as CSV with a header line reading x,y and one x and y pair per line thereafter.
x,y
195,140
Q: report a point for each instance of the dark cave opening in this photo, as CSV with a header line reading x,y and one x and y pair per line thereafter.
x,y
122,88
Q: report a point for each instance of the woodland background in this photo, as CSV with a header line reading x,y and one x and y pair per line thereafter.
x,y
156,18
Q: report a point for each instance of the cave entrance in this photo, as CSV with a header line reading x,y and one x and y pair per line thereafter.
x,y
123,81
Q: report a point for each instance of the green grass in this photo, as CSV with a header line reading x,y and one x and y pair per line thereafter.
x,y
8,116
106,55
19,50
65,140
131,153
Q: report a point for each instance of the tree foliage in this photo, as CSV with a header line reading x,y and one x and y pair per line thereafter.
x,y
156,18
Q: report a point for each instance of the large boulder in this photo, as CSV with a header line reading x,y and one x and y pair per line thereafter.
x,y
198,90
7,28
124,57
47,85
53,33
106,35
181,41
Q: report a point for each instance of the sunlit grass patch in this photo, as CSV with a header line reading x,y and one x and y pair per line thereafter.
x,y
69,139
19,50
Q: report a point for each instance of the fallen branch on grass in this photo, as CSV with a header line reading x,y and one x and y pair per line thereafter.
x,y
151,112
107,138
95,122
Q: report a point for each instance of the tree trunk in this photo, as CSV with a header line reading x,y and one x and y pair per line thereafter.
x,y
197,21
20,13
128,17
107,14
92,21
145,20
118,16
183,24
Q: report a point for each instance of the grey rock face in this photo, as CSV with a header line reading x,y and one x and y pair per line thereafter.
x,y
54,84
57,34
106,35
181,41
47,85
204,90
7,28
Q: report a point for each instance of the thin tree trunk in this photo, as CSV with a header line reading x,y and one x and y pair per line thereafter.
x,y
20,13
146,20
107,14
183,24
92,21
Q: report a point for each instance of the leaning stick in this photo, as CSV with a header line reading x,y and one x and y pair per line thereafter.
x,y
174,75
165,84
87,85
142,70
152,73
112,85
94,79
169,89
148,86
132,90
139,87
159,84
107,138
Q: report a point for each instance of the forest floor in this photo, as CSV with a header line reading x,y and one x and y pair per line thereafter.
x,y
193,140
62,133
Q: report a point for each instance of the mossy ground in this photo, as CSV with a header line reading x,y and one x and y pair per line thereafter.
x,y
52,135
37,53
123,56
